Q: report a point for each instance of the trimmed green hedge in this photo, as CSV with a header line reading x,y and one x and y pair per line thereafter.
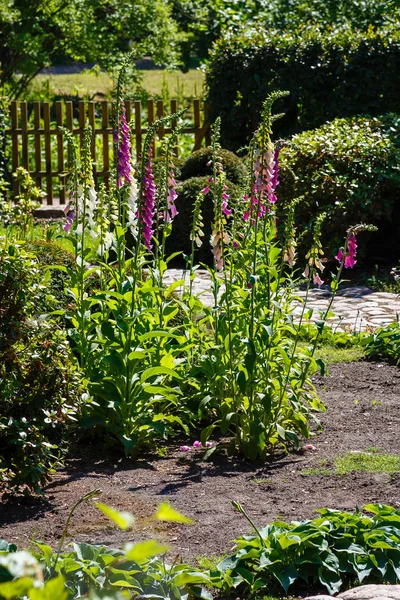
x,y
329,73
351,168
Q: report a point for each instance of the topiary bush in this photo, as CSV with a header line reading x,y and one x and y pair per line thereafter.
x,y
330,73
198,165
349,167
39,383
179,241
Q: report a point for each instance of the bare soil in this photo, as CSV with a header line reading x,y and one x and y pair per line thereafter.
x,y
363,402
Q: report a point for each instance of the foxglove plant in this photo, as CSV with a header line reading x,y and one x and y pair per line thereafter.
x,y
148,204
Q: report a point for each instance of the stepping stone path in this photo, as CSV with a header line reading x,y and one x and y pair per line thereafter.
x,y
355,308
365,592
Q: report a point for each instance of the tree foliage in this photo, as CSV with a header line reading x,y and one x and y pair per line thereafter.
x,y
35,34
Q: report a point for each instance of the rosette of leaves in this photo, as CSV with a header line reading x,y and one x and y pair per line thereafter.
x,y
39,382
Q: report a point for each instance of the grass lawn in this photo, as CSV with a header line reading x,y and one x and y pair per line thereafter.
x,y
157,83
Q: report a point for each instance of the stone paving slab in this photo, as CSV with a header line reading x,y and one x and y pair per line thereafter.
x,y
356,308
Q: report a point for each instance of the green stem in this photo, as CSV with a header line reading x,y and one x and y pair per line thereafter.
x,y
87,496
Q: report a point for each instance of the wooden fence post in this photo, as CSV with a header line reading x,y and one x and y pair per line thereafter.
x,y
38,154
34,139
14,144
60,152
47,153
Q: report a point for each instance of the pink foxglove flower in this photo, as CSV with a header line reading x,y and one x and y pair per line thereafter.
x,y
69,221
124,150
205,190
351,252
148,201
217,240
266,170
184,448
171,211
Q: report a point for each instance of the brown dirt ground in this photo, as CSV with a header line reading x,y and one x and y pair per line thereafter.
x,y
363,401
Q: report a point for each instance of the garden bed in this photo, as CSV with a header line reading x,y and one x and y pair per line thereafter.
x,y
362,402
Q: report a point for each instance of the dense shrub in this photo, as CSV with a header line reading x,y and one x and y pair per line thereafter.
x,y
187,191
199,164
50,253
329,73
350,168
39,385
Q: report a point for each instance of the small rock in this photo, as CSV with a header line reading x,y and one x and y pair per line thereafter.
x,y
372,592
365,592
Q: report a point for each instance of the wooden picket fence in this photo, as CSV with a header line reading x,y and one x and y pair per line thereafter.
x,y
39,146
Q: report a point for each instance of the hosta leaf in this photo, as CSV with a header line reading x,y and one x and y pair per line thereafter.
x,y
46,550
124,520
191,577
15,589
286,575
54,588
228,564
145,550
332,581
286,540
165,512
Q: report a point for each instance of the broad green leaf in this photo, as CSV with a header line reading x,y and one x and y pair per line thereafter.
x,y
15,589
167,361
52,590
332,581
47,551
165,512
286,540
228,564
158,371
124,520
191,577
168,291
144,550
286,575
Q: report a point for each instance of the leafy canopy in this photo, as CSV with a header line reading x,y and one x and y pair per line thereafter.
x,y
39,33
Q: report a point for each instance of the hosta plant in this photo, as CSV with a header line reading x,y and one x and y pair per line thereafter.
x,y
336,550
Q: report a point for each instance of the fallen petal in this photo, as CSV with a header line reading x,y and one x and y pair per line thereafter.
x,y
310,447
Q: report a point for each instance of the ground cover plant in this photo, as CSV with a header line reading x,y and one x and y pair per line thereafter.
x,y
98,571
384,343
333,550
